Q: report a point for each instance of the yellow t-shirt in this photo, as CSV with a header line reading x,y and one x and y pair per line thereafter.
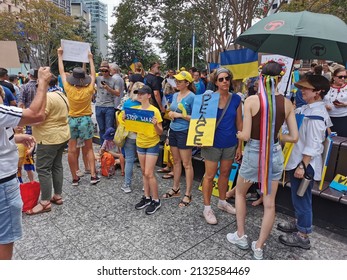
x,y
55,128
151,138
80,99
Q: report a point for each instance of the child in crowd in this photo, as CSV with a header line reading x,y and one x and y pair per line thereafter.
x,y
110,147
25,158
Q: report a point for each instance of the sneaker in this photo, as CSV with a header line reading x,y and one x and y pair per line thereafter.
x,y
257,252
210,217
143,203
227,208
295,240
94,180
153,207
75,182
287,226
240,242
126,189
87,171
79,173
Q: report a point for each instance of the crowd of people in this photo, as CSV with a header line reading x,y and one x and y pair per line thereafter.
x,y
59,116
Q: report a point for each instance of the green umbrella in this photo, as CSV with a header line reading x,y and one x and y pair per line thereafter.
x,y
302,35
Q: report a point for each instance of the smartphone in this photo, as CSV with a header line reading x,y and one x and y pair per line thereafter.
x,y
36,73
103,83
336,102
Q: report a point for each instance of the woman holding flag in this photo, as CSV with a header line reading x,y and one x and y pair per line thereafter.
x,y
180,110
262,162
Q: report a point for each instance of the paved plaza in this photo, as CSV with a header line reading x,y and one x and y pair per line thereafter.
x,y
101,223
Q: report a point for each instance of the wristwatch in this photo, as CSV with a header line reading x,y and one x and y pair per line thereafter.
x,y
301,166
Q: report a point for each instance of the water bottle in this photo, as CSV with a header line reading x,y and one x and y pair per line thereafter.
x,y
303,185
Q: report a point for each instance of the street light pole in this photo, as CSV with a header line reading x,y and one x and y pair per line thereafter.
x,y
178,54
193,49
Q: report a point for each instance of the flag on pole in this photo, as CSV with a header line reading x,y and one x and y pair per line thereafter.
x,y
132,65
242,63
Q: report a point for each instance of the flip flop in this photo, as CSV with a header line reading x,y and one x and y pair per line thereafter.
x,y
167,176
163,170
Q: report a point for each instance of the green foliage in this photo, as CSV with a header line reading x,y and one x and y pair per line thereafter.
x,y
334,7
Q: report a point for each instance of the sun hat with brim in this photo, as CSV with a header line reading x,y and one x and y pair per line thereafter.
x,y
78,78
109,134
304,84
143,89
184,75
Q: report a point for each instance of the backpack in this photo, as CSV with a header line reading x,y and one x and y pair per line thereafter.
x,y
107,165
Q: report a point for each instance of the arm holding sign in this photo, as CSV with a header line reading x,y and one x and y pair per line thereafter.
x,y
61,65
157,126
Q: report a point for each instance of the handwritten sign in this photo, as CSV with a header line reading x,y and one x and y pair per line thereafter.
x,y
232,177
9,54
139,121
75,51
286,79
203,120
339,183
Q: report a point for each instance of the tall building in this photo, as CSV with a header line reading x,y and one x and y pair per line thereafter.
x,y
99,26
63,4
79,9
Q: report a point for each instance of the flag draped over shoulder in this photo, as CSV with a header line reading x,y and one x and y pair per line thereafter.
x,y
242,63
132,65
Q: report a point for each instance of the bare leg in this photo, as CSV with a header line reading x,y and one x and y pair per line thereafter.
x,y
240,204
30,174
258,201
177,171
223,180
73,158
207,184
269,215
6,251
150,177
142,160
87,150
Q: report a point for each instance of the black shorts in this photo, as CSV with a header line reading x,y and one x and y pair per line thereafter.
x,y
179,139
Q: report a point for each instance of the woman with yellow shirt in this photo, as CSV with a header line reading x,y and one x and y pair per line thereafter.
x,y
79,89
148,151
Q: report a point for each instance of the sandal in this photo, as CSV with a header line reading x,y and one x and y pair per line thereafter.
x,y
57,201
185,203
167,176
45,208
171,194
163,170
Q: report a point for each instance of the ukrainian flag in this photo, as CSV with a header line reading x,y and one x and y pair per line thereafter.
x,y
132,65
242,63
202,123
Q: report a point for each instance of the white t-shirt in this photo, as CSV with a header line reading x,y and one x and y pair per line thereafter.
x,y
339,94
9,118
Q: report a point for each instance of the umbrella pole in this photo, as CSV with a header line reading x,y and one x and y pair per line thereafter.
x,y
294,58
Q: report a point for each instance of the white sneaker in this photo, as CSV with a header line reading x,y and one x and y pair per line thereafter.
x,y
126,189
257,252
210,217
240,242
227,207
79,173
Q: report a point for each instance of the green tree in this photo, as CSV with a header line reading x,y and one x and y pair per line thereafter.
x,y
128,36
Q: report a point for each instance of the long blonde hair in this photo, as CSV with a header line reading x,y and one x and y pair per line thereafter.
x,y
139,68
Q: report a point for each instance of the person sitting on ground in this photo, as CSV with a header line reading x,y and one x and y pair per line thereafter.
x,y
110,147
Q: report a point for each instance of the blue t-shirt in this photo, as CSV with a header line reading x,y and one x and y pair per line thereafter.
x,y
8,96
180,124
225,135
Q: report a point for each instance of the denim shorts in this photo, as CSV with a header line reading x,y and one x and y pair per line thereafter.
x,y
218,154
10,212
152,151
250,162
81,127
179,139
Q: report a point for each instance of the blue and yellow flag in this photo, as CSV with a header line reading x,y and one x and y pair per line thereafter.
x,y
242,63
132,65
139,121
202,123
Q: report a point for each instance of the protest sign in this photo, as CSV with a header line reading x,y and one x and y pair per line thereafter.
x,y
75,51
328,145
9,54
286,79
203,120
232,179
139,121
339,183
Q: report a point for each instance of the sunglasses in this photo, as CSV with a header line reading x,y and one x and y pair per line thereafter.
x,y
342,77
104,71
227,78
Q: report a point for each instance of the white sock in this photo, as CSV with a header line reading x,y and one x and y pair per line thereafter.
x,y
222,202
207,208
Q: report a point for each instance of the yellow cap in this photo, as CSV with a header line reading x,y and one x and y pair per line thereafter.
x,y
184,75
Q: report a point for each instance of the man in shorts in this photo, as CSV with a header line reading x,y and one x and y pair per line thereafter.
x,y
10,199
